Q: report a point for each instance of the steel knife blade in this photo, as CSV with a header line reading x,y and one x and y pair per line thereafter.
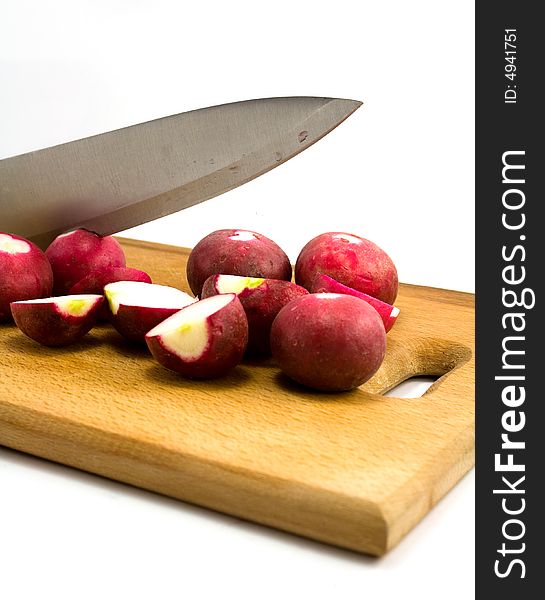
x,y
116,180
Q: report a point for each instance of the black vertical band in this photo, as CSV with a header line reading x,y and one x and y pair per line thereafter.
x,y
510,392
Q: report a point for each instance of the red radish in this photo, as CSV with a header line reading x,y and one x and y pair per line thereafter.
x,y
328,342
261,299
75,254
94,282
351,260
387,312
57,321
25,272
204,340
236,252
137,307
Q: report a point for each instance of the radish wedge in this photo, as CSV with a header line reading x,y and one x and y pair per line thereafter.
x,y
57,321
204,340
387,312
136,307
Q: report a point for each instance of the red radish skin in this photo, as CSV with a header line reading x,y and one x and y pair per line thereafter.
x,y
328,342
261,299
387,312
95,282
25,273
204,340
236,252
350,259
75,254
57,321
133,322
137,307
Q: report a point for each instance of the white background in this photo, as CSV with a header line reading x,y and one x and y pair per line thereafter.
x,y
400,172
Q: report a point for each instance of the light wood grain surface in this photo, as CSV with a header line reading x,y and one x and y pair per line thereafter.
x,y
357,469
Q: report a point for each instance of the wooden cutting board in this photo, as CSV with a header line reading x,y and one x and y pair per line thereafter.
x,y
357,469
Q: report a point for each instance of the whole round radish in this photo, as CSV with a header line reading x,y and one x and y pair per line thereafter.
x,y
328,342
350,259
387,312
75,254
25,272
236,252
57,321
204,340
137,307
261,299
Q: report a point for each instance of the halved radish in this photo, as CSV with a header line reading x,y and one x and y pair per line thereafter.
x,y
57,321
387,312
261,299
137,307
204,340
94,282
25,272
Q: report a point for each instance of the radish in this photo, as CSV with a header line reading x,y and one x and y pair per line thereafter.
x,y
25,272
387,312
137,307
57,321
204,340
328,342
261,299
236,252
75,254
94,283
351,260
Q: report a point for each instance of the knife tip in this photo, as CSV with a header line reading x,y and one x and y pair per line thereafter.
x,y
349,104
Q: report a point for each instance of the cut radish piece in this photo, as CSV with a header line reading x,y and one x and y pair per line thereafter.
x,y
25,272
57,321
230,284
95,282
204,340
261,299
137,307
387,312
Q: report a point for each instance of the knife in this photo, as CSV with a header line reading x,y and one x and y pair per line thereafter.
x,y
116,180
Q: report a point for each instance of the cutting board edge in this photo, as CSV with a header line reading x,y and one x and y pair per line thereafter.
x,y
346,521
358,524
428,486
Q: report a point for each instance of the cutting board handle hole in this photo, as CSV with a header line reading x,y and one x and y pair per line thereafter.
x,y
416,366
413,387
